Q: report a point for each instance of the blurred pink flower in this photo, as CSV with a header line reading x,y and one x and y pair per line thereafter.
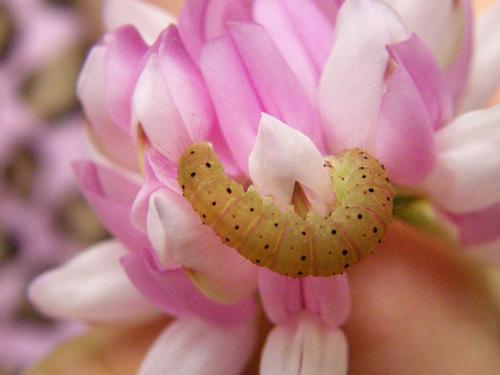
x,y
261,81
37,190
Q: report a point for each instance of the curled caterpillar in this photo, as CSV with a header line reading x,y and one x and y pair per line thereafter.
x,y
283,241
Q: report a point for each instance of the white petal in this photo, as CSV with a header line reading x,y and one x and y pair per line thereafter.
x,y
91,287
149,19
485,73
429,19
177,233
282,156
90,86
192,347
304,346
467,172
352,81
154,108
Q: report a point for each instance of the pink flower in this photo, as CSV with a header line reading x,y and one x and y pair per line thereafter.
x,y
261,81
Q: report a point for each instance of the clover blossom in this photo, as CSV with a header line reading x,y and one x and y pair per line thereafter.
x,y
274,87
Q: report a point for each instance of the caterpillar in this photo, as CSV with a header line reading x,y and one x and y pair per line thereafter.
x,y
284,241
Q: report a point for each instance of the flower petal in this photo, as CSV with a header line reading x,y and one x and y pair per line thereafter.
x,y
233,96
149,19
446,27
284,298
329,298
405,136
177,233
281,296
304,346
191,347
171,102
174,293
201,21
124,60
111,196
485,75
467,170
105,90
276,86
426,18
91,287
282,156
304,48
160,172
352,81
460,60
430,81
480,226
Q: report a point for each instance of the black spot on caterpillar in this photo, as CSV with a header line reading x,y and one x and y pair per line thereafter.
x,y
283,241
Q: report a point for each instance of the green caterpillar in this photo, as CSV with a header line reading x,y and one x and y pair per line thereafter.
x,y
283,241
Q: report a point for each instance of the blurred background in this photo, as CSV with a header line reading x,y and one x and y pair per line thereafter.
x,y
43,218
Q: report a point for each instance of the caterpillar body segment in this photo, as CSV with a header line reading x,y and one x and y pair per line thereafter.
x,y
283,241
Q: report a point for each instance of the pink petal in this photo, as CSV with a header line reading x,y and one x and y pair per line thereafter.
x,y
304,346
236,103
329,298
111,196
105,90
329,8
91,287
252,85
113,140
177,233
171,102
277,88
282,156
479,226
281,296
429,19
302,33
201,21
284,298
172,292
160,172
467,169
485,75
405,136
192,347
124,60
431,83
149,19
446,27
352,81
